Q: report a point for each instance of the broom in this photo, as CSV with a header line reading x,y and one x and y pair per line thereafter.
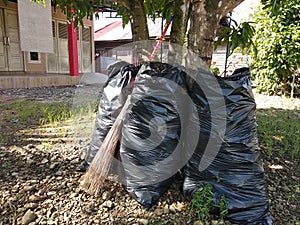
x,y
92,181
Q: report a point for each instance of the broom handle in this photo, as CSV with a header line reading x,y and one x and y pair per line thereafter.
x,y
127,103
123,110
160,39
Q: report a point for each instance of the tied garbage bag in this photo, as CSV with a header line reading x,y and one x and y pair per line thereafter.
x,y
234,167
116,90
151,135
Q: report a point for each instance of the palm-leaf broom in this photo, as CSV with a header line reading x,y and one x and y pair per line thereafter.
x,y
92,180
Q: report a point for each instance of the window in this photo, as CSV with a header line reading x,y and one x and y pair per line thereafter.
x,y
34,57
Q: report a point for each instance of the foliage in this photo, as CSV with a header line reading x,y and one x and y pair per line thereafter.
x,y
278,43
203,201
153,9
159,8
76,10
215,70
122,11
237,36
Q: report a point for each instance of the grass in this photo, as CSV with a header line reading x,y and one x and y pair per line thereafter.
x,y
22,111
20,118
279,131
278,125
27,115
202,201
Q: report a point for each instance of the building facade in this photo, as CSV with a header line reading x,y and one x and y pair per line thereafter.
x,y
15,61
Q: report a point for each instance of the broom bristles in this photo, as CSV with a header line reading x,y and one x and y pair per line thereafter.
x,y
92,181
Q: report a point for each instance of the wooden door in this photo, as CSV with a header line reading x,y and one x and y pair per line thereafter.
x,y
11,57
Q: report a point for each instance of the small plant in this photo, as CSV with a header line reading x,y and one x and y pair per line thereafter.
x,y
203,201
215,70
223,207
14,212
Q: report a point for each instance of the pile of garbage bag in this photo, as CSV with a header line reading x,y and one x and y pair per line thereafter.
x,y
170,109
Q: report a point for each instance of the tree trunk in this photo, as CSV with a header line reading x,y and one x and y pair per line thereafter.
x,y
178,30
138,20
205,18
139,27
293,85
180,20
283,85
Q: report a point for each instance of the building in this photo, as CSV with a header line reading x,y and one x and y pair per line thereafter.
x,y
17,63
113,42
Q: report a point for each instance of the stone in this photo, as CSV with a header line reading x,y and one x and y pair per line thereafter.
x,y
73,195
28,217
35,198
166,209
44,161
143,221
106,195
271,189
172,209
29,161
108,204
48,201
53,165
216,222
50,193
29,188
59,173
130,219
30,205
159,212
105,215
286,189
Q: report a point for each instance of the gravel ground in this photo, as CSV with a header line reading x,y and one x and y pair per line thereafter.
x,y
39,182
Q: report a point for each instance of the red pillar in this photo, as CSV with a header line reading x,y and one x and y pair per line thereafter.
x,y
73,50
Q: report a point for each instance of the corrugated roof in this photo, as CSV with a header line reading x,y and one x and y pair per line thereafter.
x,y
114,31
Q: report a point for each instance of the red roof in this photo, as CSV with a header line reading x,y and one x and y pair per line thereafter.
x,y
114,31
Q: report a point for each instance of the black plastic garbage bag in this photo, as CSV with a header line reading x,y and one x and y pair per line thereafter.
x,y
151,133
116,90
234,167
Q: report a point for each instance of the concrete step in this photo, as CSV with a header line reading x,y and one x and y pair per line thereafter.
x,y
43,80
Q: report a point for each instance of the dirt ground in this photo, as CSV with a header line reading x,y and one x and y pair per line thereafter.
x,y
39,182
